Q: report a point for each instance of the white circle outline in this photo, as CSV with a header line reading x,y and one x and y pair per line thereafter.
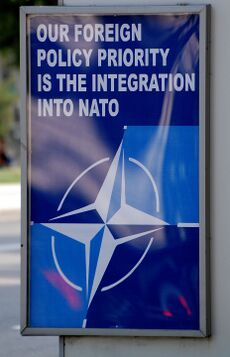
x,y
126,276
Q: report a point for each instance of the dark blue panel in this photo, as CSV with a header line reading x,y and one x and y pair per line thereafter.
x,y
115,201
53,303
180,34
161,294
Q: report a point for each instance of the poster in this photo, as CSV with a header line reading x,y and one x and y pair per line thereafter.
x,y
113,172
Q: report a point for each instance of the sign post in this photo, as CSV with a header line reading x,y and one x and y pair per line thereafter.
x,y
114,119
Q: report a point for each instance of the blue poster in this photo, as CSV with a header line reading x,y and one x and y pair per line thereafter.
x,y
114,172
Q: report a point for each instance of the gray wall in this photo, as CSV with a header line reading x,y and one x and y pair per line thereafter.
x,y
219,343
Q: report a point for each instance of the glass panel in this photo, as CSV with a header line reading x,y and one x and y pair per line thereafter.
x,y
114,235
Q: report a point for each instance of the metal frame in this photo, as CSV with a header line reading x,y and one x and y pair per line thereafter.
x,y
204,13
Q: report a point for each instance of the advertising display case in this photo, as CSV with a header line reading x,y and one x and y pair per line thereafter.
x,y
115,123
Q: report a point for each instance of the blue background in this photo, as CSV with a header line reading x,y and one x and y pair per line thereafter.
x,y
163,134
179,33
151,298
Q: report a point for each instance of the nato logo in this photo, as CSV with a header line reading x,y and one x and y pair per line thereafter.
x,y
142,194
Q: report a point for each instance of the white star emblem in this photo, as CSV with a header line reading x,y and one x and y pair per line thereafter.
x,y
125,215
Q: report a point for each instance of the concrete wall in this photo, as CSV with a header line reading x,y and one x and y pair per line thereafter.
x,y
219,343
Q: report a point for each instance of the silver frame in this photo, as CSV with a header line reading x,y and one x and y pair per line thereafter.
x,y
204,200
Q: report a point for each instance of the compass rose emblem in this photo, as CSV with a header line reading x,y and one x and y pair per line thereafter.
x,y
115,214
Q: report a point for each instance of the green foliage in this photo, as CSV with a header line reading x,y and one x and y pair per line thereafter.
x,y
8,98
9,26
10,174
9,57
